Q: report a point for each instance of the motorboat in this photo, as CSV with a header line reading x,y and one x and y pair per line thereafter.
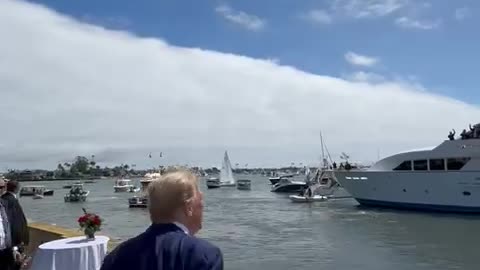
x,y
226,178
142,200
289,186
76,194
213,182
244,184
123,185
134,189
69,186
32,190
276,179
138,202
441,178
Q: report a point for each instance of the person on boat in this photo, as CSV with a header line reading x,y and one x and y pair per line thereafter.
x,y
176,212
348,166
463,135
334,165
308,194
476,131
451,135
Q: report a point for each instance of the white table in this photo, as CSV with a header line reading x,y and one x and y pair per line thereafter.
x,y
74,253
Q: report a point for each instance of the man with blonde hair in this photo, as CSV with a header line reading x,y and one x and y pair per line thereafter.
x,y
176,212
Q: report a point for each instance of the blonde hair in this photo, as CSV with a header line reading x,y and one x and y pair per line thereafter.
x,y
169,193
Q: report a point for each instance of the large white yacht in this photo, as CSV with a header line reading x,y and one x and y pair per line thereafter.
x,y
442,178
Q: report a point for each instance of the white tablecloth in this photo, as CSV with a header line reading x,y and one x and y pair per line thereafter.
x,y
74,253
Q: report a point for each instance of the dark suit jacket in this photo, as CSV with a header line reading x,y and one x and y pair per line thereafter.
x,y
17,220
164,247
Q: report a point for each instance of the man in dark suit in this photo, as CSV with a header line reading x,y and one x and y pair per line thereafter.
x,y
16,217
176,212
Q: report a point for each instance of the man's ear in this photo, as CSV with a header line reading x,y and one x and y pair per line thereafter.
x,y
189,209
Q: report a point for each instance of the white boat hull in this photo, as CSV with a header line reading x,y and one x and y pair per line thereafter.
x,y
452,191
303,199
77,197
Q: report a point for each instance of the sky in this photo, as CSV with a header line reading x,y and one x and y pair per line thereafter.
x,y
261,79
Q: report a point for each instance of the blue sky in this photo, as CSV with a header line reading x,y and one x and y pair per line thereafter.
x,y
436,46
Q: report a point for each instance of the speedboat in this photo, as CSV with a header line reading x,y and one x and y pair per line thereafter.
x,y
276,179
76,194
123,185
32,190
289,186
142,200
213,182
441,178
244,184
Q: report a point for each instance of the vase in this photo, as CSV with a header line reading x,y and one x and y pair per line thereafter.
x,y
90,233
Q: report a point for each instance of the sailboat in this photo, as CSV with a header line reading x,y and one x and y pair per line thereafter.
x,y
322,185
226,175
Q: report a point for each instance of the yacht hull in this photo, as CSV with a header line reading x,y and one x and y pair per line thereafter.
x,y
447,191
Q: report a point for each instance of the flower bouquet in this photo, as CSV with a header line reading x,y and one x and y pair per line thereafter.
x,y
90,223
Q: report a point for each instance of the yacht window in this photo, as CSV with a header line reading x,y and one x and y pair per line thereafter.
x,y
456,164
437,164
404,166
420,165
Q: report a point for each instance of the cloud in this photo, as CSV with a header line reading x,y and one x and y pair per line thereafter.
x,y
406,22
362,76
250,22
317,16
368,8
462,13
83,90
360,60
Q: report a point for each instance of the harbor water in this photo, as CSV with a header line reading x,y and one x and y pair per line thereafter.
x,y
259,229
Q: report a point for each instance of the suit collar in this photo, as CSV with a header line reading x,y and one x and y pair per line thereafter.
x,y
164,228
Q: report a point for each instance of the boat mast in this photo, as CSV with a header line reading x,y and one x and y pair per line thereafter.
x,y
323,152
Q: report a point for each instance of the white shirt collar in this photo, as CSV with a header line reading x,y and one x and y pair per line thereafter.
x,y
181,226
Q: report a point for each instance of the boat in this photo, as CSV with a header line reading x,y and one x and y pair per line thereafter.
x,y
76,194
289,186
138,202
134,189
226,178
90,182
276,179
441,178
307,199
123,185
34,189
320,188
213,182
142,200
69,186
244,184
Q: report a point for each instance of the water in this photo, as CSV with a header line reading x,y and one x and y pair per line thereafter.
x,y
259,229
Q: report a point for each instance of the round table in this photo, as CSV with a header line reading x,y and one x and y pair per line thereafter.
x,y
75,253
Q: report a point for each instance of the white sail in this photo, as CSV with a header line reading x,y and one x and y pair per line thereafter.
x,y
226,173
